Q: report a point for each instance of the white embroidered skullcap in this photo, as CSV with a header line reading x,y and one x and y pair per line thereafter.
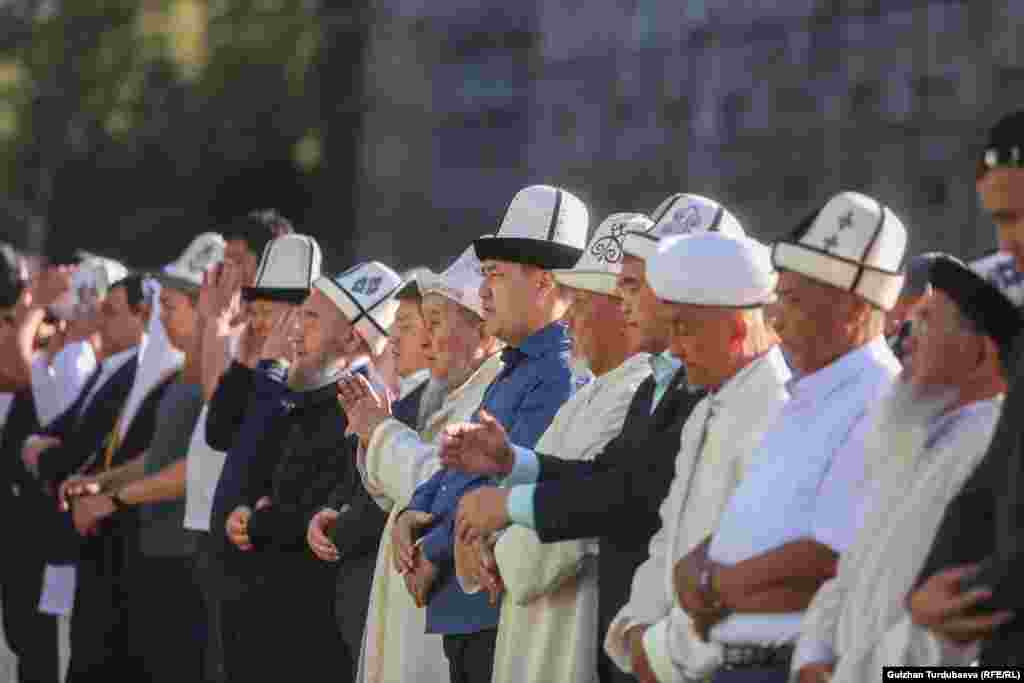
x,y
853,243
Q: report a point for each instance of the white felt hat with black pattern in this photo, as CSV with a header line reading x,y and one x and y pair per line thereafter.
x,y
460,282
544,226
853,243
601,263
713,269
681,214
365,294
287,270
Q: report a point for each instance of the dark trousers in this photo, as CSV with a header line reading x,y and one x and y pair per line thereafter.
x,y
101,644
471,656
165,619
206,580
284,629
31,635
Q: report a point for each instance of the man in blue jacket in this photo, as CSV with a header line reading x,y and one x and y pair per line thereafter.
x,y
544,228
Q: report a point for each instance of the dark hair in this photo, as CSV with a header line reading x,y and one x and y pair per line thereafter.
x,y
257,228
133,291
11,283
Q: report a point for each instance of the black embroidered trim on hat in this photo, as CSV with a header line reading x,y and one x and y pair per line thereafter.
x,y
669,205
291,295
531,252
363,312
825,252
554,215
263,262
870,244
978,300
717,220
175,282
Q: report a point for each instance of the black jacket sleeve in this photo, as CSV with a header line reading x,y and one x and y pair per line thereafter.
x,y
358,529
227,407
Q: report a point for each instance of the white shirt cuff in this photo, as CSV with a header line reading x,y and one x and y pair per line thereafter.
x,y
811,651
525,469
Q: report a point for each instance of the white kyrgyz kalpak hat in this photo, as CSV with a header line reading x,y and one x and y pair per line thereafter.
x,y
460,282
365,294
681,214
93,273
712,269
601,263
544,226
853,243
186,273
287,270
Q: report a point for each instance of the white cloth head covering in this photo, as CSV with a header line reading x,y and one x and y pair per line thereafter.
x,y
460,282
187,272
157,358
289,266
712,269
544,226
853,243
365,294
601,263
681,214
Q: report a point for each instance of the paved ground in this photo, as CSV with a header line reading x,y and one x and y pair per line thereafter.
x,y
7,671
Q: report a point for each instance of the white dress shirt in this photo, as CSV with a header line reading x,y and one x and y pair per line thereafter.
x,y
807,480
56,385
717,443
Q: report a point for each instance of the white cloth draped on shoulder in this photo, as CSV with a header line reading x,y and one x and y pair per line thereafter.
x,y
396,647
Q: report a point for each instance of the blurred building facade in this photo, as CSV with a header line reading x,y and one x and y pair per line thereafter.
x,y
768,105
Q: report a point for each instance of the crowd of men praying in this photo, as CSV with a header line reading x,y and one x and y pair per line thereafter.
x,y
653,448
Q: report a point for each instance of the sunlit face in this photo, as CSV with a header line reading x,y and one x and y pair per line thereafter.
x,y
454,338
810,315
121,325
321,328
178,315
508,294
262,313
641,308
705,339
1002,194
940,348
409,339
594,322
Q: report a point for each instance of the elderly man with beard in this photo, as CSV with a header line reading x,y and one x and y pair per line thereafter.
x,y
463,360
287,453
930,434
970,585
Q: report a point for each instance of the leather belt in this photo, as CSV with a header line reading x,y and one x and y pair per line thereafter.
x,y
756,657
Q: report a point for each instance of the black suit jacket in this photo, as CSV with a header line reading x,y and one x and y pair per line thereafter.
x,y
616,497
84,435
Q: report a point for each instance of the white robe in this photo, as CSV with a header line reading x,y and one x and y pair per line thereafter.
x,y
920,465
548,626
396,646
746,406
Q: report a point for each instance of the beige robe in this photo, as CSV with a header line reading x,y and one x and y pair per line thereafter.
x,y
396,647
548,627
858,617
712,455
